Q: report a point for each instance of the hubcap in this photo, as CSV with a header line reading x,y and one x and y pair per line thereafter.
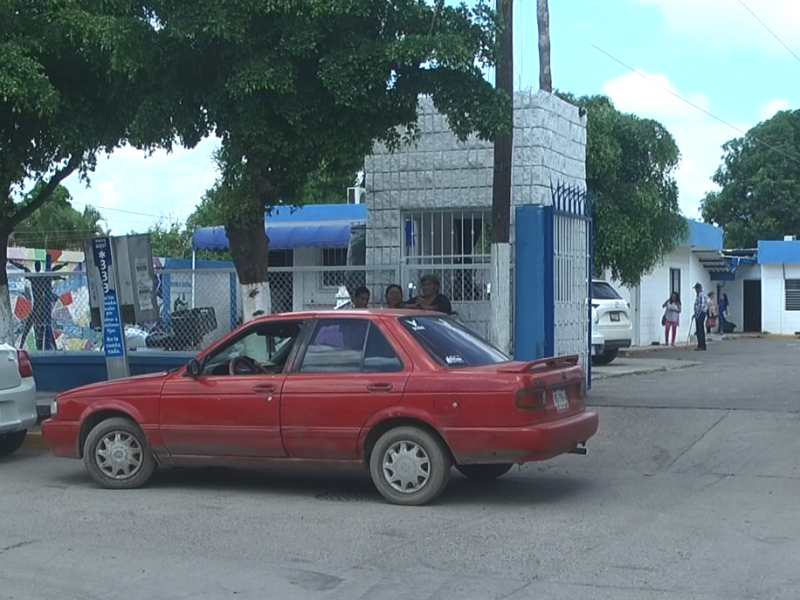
x,y
406,467
119,455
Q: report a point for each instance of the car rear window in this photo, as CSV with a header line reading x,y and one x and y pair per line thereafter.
x,y
603,291
450,343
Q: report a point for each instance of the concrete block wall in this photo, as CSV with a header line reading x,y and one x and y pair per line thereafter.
x,y
439,172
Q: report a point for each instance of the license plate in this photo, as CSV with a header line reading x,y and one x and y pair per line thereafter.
x,y
560,399
614,316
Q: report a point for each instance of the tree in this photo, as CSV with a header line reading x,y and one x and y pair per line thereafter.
x,y
290,87
760,181
70,89
543,23
57,224
630,166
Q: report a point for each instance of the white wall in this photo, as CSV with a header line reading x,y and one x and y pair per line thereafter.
x,y
774,317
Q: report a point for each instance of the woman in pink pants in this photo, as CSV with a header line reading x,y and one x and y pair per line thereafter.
x,y
672,318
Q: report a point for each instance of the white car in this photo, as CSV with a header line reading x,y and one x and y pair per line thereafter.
x,y
598,339
612,320
17,398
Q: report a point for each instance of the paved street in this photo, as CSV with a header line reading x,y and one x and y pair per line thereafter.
x,y
689,491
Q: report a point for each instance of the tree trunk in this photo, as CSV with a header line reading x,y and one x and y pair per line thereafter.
x,y
249,247
500,298
6,318
543,20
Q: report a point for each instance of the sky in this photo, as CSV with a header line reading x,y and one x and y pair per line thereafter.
x,y
713,53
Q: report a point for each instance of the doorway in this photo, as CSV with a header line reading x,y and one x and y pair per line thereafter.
x,y
752,306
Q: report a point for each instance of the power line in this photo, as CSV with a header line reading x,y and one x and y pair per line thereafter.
x,y
129,212
794,158
772,33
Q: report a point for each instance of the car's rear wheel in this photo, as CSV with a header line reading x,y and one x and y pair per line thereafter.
x,y
11,442
117,456
605,358
410,466
484,472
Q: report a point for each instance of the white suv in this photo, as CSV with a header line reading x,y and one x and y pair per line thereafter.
x,y
17,398
612,319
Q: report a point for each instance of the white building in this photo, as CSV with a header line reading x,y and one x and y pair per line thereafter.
x,y
700,259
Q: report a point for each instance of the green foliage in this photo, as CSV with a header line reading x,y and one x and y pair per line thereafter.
x,y
630,166
68,90
57,224
760,181
294,88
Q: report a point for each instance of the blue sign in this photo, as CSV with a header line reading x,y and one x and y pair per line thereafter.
x,y
113,338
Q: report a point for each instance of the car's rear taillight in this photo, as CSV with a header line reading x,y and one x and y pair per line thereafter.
x,y
25,364
530,399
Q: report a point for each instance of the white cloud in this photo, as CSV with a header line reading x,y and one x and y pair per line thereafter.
x,y
772,107
163,184
698,136
726,23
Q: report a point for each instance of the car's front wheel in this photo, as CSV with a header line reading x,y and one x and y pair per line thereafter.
x,y
605,358
484,472
410,466
117,456
11,442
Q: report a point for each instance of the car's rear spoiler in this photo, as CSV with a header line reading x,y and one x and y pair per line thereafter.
x,y
552,362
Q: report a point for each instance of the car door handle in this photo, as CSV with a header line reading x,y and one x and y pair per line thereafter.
x,y
380,387
264,387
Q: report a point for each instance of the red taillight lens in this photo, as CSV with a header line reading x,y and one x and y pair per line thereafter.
x,y
25,364
530,399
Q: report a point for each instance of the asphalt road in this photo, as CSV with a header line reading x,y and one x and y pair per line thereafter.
x,y
689,491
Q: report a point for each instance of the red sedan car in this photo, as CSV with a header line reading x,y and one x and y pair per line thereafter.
x,y
404,394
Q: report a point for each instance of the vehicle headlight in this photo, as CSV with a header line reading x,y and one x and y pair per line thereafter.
x,y
53,407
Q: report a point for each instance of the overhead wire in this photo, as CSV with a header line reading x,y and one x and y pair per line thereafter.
x,y
792,157
772,33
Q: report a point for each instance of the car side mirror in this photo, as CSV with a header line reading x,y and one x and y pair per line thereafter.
x,y
193,368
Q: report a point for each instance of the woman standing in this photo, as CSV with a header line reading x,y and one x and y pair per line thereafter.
x,y
393,297
671,318
713,312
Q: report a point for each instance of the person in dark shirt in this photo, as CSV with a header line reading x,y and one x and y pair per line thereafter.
x,y
430,298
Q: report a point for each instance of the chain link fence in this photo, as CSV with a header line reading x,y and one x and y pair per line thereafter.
x,y
51,311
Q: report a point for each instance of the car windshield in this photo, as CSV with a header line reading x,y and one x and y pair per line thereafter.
x,y
450,343
603,291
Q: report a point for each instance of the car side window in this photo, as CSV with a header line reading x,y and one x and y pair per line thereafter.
x,y
266,344
379,356
336,346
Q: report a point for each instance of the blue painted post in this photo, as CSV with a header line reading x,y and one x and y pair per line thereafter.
x,y
533,293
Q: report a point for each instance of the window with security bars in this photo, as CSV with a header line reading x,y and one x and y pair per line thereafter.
x,y
455,245
334,257
793,294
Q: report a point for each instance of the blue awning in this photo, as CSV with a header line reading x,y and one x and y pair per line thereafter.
x,y
285,236
313,226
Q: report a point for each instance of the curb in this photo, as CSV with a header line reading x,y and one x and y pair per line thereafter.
x,y
35,440
601,376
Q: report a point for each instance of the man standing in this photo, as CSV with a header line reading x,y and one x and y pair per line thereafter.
x,y
700,312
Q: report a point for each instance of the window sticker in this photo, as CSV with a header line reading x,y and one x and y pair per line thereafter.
x,y
415,326
454,359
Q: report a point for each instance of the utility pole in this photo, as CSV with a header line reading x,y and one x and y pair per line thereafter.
x,y
500,299
543,21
